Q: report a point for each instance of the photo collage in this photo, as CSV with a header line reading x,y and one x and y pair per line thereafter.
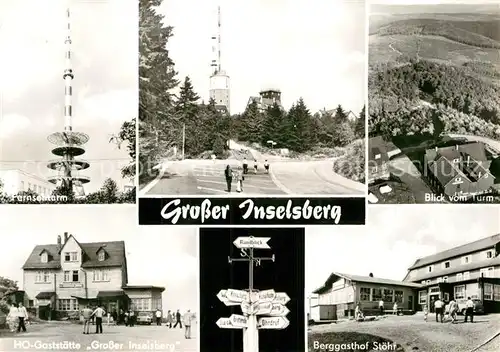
x,y
250,176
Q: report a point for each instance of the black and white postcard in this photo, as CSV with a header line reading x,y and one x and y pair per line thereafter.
x,y
252,284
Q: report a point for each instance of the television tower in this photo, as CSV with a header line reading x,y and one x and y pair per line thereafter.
x,y
219,80
68,144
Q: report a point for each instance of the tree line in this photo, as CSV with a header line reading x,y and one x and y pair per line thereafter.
x,y
171,116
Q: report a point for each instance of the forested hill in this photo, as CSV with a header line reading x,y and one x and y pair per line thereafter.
x,y
399,93
485,34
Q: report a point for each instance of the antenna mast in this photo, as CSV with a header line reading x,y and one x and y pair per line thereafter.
x,y
219,40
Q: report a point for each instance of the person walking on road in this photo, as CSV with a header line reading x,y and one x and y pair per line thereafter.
x,y
395,309
86,314
169,319
255,166
178,319
245,166
453,309
98,313
266,166
239,181
381,307
469,310
188,317
438,309
23,317
13,317
228,174
131,318
158,317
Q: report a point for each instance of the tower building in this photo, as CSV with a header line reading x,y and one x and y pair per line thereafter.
x,y
68,143
219,80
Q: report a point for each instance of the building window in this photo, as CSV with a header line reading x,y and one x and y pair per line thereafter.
x,y
364,294
67,257
487,272
446,265
42,277
466,259
428,282
422,297
456,161
458,179
45,257
467,275
489,255
101,275
430,268
141,304
496,292
388,295
67,304
488,292
460,292
434,289
74,256
398,296
445,278
75,276
376,294
101,256
31,303
459,277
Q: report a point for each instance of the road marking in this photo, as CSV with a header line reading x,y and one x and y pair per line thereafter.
x,y
486,342
280,185
219,191
245,185
143,192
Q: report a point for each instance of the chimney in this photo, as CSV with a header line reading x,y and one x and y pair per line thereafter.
x,y
65,237
371,275
59,245
479,175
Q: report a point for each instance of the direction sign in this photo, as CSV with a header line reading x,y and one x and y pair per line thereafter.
x,y
267,295
263,308
237,295
252,242
225,323
279,310
239,321
222,296
281,297
247,308
273,323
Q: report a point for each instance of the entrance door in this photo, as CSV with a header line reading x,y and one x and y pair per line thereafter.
x,y
44,312
410,302
432,299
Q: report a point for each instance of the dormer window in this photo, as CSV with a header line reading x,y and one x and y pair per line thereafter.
x,y
456,161
101,256
446,265
489,254
466,259
45,257
430,268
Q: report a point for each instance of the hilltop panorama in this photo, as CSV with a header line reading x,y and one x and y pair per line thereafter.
x,y
434,114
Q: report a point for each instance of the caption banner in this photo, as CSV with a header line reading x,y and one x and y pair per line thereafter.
x,y
252,211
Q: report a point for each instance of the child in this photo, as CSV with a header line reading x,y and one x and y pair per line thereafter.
x,y
239,182
426,312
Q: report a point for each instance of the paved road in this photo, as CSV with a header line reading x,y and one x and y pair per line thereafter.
x,y
115,338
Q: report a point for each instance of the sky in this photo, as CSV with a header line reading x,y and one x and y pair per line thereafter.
x,y
314,49
393,239
156,255
104,46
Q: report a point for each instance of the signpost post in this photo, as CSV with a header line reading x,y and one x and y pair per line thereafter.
x,y
253,302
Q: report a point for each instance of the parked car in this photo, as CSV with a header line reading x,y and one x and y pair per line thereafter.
x,y
462,305
144,318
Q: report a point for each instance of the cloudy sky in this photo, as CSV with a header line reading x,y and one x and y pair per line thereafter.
x,y
32,34
393,239
156,255
313,49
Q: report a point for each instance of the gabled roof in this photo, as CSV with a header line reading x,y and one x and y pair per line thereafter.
x,y
482,244
66,241
367,279
377,145
445,171
115,257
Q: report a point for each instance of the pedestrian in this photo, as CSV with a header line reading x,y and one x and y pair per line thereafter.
x,y
381,307
178,319
121,317
266,166
126,318
13,317
426,313
452,312
245,166
86,314
395,309
188,317
358,314
438,309
158,317
239,181
23,317
131,318
255,166
228,174
98,313
469,310
169,319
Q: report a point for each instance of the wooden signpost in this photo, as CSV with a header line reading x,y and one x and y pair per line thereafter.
x,y
267,304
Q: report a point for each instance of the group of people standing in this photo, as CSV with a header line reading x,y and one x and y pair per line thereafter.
x,y
239,176
453,309
17,317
